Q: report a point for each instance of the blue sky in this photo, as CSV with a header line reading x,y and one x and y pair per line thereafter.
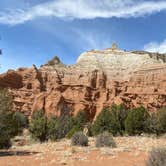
x,y
33,31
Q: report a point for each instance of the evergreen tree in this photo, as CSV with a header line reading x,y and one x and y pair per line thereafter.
x,y
102,122
38,126
8,123
136,121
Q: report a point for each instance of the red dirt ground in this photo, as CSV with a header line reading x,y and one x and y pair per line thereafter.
x,y
130,151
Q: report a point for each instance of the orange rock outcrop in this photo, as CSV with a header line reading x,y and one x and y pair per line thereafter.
x,y
58,88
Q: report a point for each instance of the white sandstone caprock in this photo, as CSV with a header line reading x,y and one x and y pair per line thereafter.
x,y
116,64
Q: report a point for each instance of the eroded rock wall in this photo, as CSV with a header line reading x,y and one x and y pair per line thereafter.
x,y
71,88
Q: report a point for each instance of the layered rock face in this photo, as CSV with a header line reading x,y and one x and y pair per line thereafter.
x,y
98,79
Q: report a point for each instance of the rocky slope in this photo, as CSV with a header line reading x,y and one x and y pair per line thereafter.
x,y
98,79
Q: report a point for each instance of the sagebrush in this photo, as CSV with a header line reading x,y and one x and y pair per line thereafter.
x,y
157,157
105,140
79,139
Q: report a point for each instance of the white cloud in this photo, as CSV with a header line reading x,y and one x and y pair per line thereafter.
x,y
93,40
156,47
96,42
83,9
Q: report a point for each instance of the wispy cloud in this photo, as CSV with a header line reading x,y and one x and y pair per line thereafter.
x,y
89,40
83,9
96,42
156,47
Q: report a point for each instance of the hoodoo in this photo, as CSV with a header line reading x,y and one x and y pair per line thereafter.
x,y
98,79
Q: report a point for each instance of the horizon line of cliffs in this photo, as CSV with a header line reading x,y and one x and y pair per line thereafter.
x,y
88,85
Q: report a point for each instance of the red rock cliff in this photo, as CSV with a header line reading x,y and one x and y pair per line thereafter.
x,y
98,79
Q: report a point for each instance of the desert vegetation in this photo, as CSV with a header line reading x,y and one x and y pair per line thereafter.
x,y
157,157
38,126
105,139
115,120
11,123
79,139
112,122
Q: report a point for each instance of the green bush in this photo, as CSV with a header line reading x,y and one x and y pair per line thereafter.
x,y
136,121
79,139
118,116
59,127
161,117
21,119
52,127
8,129
102,122
157,157
65,125
81,119
8,123
5,142
38,126
105,140
152,124
74,130
79,122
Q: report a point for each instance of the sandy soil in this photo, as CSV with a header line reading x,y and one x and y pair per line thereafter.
x,y
130,151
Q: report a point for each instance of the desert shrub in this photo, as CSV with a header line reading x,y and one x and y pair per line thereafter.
x,y
5,142
79,122
81,119
8,129
59,127
21,119
38,126
79,139
152,124
8,123
102,122
74,130
65,125
65,122
118,114
52,127
105,140
157,157
161,117
136,121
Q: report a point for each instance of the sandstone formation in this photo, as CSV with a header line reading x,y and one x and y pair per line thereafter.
x,y
98,79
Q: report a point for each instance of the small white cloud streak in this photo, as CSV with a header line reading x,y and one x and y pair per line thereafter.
x,y
97,42
156,47
83,9
93,40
